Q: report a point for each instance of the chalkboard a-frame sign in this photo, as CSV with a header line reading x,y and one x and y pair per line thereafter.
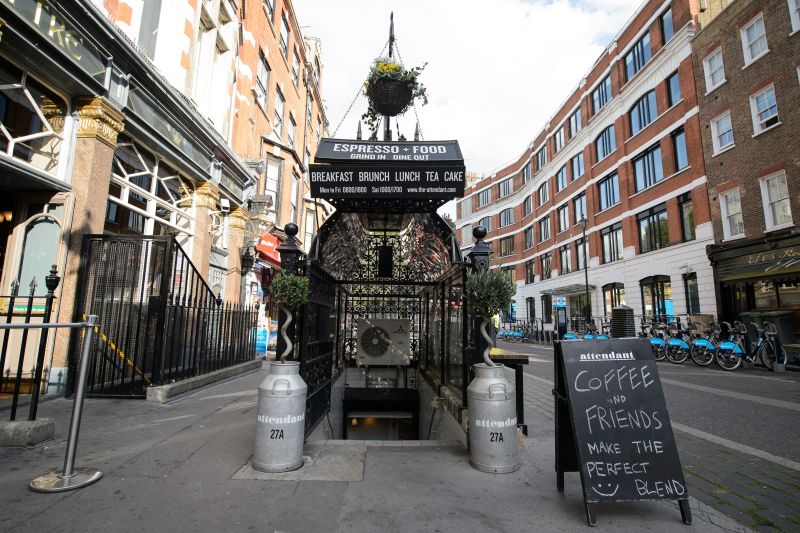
x,y
612,424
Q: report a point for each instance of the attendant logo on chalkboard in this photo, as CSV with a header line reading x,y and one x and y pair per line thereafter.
x,y
611,356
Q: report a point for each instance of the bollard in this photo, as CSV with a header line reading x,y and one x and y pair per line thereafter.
x,y
71,478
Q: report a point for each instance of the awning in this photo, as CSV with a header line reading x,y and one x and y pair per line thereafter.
x,y
567,290
267,248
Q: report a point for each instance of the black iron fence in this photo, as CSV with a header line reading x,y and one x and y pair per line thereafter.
x,y
159,321
21,376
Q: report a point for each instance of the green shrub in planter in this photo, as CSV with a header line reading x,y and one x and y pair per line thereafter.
x,y
289,290
488,293
290,293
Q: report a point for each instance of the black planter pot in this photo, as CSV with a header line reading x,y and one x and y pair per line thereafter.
x,y
389,97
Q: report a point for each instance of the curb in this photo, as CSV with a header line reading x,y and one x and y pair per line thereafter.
x,y
162,393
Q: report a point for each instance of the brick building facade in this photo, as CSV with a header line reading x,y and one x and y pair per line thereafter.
x,y
747,72
623,152
141,118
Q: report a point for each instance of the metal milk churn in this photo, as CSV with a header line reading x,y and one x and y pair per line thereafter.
x,y
492,421
280,426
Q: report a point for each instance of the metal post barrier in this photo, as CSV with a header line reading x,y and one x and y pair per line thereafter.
x,y
70,478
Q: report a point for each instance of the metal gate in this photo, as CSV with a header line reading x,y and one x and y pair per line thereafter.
x,y
159,322
317,341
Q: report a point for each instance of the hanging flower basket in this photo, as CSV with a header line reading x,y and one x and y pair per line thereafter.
x,y
389,97
391,89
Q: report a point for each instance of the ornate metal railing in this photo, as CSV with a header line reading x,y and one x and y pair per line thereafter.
x,y
159,321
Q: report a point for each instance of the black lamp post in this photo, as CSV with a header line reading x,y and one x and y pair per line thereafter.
x,y
584,223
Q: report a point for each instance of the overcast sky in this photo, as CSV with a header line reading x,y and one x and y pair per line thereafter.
x,y
497,70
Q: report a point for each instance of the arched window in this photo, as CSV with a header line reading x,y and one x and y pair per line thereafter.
x,y
657,297
613,295
40,248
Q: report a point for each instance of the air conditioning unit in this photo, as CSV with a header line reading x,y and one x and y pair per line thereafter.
x,y
384,341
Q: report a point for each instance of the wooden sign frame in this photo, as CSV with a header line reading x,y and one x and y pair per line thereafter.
x,y
569,454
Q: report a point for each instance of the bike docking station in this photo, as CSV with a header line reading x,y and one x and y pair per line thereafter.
x,y
612,425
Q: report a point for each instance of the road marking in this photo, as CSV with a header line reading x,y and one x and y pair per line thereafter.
x,y
737,395
788,463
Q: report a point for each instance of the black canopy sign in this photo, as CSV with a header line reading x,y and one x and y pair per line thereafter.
x,y
340,150
367,181
612,424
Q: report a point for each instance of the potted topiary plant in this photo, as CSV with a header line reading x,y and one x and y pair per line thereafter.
x,y
391,89
488,293
290,293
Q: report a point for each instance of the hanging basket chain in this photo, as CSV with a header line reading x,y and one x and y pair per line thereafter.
x,y
414,103
358,93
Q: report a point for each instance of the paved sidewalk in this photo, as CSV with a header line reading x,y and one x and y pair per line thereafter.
x,y
758,493
173,468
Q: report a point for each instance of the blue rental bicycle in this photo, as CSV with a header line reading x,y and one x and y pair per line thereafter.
x,y
739,347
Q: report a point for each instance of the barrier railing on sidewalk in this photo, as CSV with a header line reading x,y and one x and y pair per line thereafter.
x,y
25,308
70,477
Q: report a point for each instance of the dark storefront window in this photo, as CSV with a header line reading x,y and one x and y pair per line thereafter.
x,y
657,297
613,295
692,293
547,308
530,303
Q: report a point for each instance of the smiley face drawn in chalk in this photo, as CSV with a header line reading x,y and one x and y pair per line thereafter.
x,y
608,492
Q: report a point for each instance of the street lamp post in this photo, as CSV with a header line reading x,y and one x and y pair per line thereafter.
x,y
588,317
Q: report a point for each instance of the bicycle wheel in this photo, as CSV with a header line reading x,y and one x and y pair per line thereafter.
x,y
767,355
702,356
727,360
676,354
658,352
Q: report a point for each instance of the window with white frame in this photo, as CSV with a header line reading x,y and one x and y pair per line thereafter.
x,y
506,217
295,186
262,81
775,195
31,120
466,207
277,122
794,14
291,132
754,39
605,143
544,193
506,187
526,172
527,237
284,38
575,122
714,70
541,158
563,218
566,258
561,178
295,69
506,246
731,210
601,94
764,109
484,197
466,236
558,139
269,8
146,195
544,229
577,166
527,206
579,207
486,222
722,132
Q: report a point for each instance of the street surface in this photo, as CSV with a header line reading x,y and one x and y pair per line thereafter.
x,y
737,433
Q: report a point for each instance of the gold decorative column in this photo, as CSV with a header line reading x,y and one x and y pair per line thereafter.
x,y
99,124
206,202
237,224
